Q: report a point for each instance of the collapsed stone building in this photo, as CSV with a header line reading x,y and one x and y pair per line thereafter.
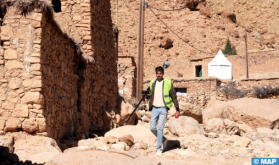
x,y
58,70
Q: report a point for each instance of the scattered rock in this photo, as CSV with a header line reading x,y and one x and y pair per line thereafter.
x,y
222,126
118,146
184,126
242,142
109,140
140,145
245,128
91,143
125,110
128,139
139,133
269,39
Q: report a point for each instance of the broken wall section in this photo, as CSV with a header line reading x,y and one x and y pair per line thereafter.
x,y
126,76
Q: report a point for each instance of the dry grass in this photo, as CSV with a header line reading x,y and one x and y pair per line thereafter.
x,y
24,6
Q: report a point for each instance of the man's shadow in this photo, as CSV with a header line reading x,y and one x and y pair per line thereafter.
x,y
10,158
172,145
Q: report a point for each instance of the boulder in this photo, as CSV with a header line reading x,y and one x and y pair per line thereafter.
x,y
213,109
205,11
125,110
6,142
184,126
38,149
101,158
139,133
269,39
190,110
222,126
242,142
166,43
140,145
253,112
187,109
128,139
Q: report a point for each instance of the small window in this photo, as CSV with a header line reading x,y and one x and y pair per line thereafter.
x,y
198,71
56,5
181,92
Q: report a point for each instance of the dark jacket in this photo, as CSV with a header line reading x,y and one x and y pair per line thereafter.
x,y
172,95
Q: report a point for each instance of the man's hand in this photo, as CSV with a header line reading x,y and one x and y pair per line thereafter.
x,y
177,113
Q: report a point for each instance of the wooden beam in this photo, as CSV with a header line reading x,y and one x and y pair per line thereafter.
x,y
140,51
246,56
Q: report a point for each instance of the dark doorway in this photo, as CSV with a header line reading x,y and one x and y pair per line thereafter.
x,y
56,5
198,71
181,91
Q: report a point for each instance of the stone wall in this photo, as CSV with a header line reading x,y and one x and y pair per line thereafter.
x,y
199,91
21,78
263,88
194,86
49,85
126,76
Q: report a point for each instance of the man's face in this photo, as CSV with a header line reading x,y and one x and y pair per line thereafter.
x,y
159,75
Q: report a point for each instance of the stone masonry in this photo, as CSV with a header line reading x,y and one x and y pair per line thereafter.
x,y
51,84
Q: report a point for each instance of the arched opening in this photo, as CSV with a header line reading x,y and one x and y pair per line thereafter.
x,y
56,5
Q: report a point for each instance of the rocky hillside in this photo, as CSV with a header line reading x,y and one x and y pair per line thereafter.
x,y
259,16
205,27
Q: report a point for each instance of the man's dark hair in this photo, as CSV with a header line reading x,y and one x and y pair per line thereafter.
x,y
159,68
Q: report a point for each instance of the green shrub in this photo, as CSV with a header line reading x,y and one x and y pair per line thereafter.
x,y
229,48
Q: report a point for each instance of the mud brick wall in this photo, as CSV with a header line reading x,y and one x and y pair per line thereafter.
x,y
21,101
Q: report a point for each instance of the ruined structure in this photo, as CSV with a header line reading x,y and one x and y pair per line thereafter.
x,y
53,84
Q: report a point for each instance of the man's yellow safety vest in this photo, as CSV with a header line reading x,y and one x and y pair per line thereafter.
x,y
166,92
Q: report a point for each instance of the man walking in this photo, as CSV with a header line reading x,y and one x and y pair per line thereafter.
x,y
163,96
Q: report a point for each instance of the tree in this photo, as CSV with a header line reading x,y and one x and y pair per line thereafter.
x,y
229,48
